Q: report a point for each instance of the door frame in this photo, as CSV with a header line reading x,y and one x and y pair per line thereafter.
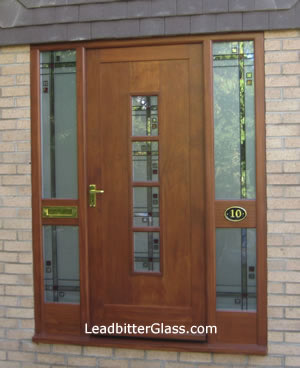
x,y
252,326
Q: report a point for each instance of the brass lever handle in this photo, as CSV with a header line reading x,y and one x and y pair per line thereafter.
x,y
92,194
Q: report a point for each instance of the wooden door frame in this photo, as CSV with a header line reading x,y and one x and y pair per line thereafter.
x,y
54,321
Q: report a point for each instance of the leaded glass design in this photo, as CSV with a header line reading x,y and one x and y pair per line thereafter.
x,y
234,120
236,268
61,264
145,161
144,116
58,123
145,206
146,252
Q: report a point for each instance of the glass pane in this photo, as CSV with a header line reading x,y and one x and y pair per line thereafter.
x,y
146,206
236,269
58,123
146,252
61,264
144,116
234,120
145,161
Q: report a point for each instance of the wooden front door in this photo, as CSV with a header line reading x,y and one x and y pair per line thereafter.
x,y
145,150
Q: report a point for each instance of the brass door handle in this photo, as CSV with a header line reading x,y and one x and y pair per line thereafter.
x,y
92,194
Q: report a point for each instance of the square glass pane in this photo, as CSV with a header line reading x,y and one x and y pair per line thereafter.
x,y
146,252
61,264
236,269
58,123
145,161
145,206
234,120
144,116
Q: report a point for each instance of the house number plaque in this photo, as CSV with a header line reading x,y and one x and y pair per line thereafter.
x,y
235,214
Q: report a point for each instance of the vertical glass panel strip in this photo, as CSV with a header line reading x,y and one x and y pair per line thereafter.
x,y
234,119
236,269
144,116
146,206
146,252
145,161
58,123
61,264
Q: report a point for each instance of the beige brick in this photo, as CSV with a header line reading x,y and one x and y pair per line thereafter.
x,y
24,169
8,169
15,113
24,212
9,345
25,258
7,80
293,312
161,355
7,124
273,118
7,147
195,357
281,57
284,325
19,334
97,351
272,69
107,363
30,346
282,34
283,130
293,337
144,364
67,349
28,323
286,300
2,355
8,257
7,102
283,203
278,227
15,246
275,312
229,359
292,240
183,365
35,365
279,179
8,191
291,44
8,322
272,45
23,58
274,191
291,68
287,349
15,69
8,235
16,136
285,252
6,364
16,157
14,49
285,105
292,361
274,216
23,79
276,264
129,353
275,166
291,118
275,288
21,356
292,142
293,264
275,336
17,224
293,216
282,81
81,361
273,93
24,235
23,146
265,361
7,58
22,101
15,91
16,180
19,313
19,290
51,358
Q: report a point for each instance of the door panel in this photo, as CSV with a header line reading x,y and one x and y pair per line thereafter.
x,y
174,295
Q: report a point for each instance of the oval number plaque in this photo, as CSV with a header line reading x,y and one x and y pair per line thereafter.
x,y
235,213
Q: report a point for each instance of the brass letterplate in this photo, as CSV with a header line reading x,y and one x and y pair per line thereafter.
x,y
60,212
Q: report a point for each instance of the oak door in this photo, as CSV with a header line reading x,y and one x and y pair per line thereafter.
x,y
145,151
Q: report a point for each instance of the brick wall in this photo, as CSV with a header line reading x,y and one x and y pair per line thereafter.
x,y
282,56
